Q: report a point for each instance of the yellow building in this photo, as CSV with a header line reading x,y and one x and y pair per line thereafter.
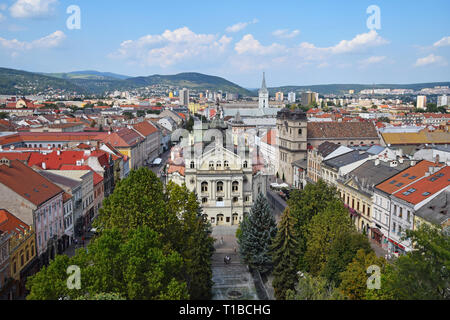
x,y
170,94
22,248
196,107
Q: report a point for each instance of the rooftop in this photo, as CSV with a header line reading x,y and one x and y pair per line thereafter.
x,y
37,188
355,130
405,177
426,187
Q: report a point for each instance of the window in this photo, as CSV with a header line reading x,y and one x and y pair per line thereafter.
x,y
219,164
235,186
204,186
300,131
220,186
245,164
219,199
400,213
204,200
226,164
192,165
393,227
211,165
235,199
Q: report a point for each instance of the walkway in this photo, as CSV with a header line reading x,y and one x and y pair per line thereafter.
x,y
231,281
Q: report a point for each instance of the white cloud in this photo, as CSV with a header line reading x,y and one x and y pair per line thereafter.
x,y
371,60
3,6
250,45
2,17
171,47
445,41
240,26
33,8
51,41
285,33
430,59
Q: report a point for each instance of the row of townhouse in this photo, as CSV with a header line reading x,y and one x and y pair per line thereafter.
x,y
385,193
139,143
403,200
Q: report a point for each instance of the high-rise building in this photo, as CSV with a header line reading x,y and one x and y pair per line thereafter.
x,y
279,96
184,97
442,101
309,98
421,102
263,94
291,97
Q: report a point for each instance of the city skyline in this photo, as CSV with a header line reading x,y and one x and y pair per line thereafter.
x,y
237,41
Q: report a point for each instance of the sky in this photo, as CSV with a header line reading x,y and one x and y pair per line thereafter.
x,y
294,42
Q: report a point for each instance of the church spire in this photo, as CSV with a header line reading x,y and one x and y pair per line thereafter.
x,y
263,86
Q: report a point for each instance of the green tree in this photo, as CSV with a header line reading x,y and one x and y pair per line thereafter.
x,y
342,251
50,282
134,267
305,204
258,231
128,115
190,124
140,113
424,273
313,288
196,244
323,229
354,278
285,256
138,200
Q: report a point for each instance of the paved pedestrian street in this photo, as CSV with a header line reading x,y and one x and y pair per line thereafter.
x,y
232,281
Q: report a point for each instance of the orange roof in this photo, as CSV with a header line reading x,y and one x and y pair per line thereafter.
x,y
426,187
145,128
174,168
97,178
405,177
182,115
37,189
11,224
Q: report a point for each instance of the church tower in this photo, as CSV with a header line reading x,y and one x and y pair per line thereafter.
x,y
263,94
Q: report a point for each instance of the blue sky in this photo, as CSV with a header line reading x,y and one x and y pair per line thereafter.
x,y
294,42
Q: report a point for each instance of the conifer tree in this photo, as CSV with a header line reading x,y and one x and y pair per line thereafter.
x,y
258,231
285,256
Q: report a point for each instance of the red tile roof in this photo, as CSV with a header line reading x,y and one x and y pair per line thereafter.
x,y
405,177
21,156
145,128
426,187
9,223
124,138
174,168
97,178
37,189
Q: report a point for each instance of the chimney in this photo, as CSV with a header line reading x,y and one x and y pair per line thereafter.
x,y
377,162
58,152
437,159
44,166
